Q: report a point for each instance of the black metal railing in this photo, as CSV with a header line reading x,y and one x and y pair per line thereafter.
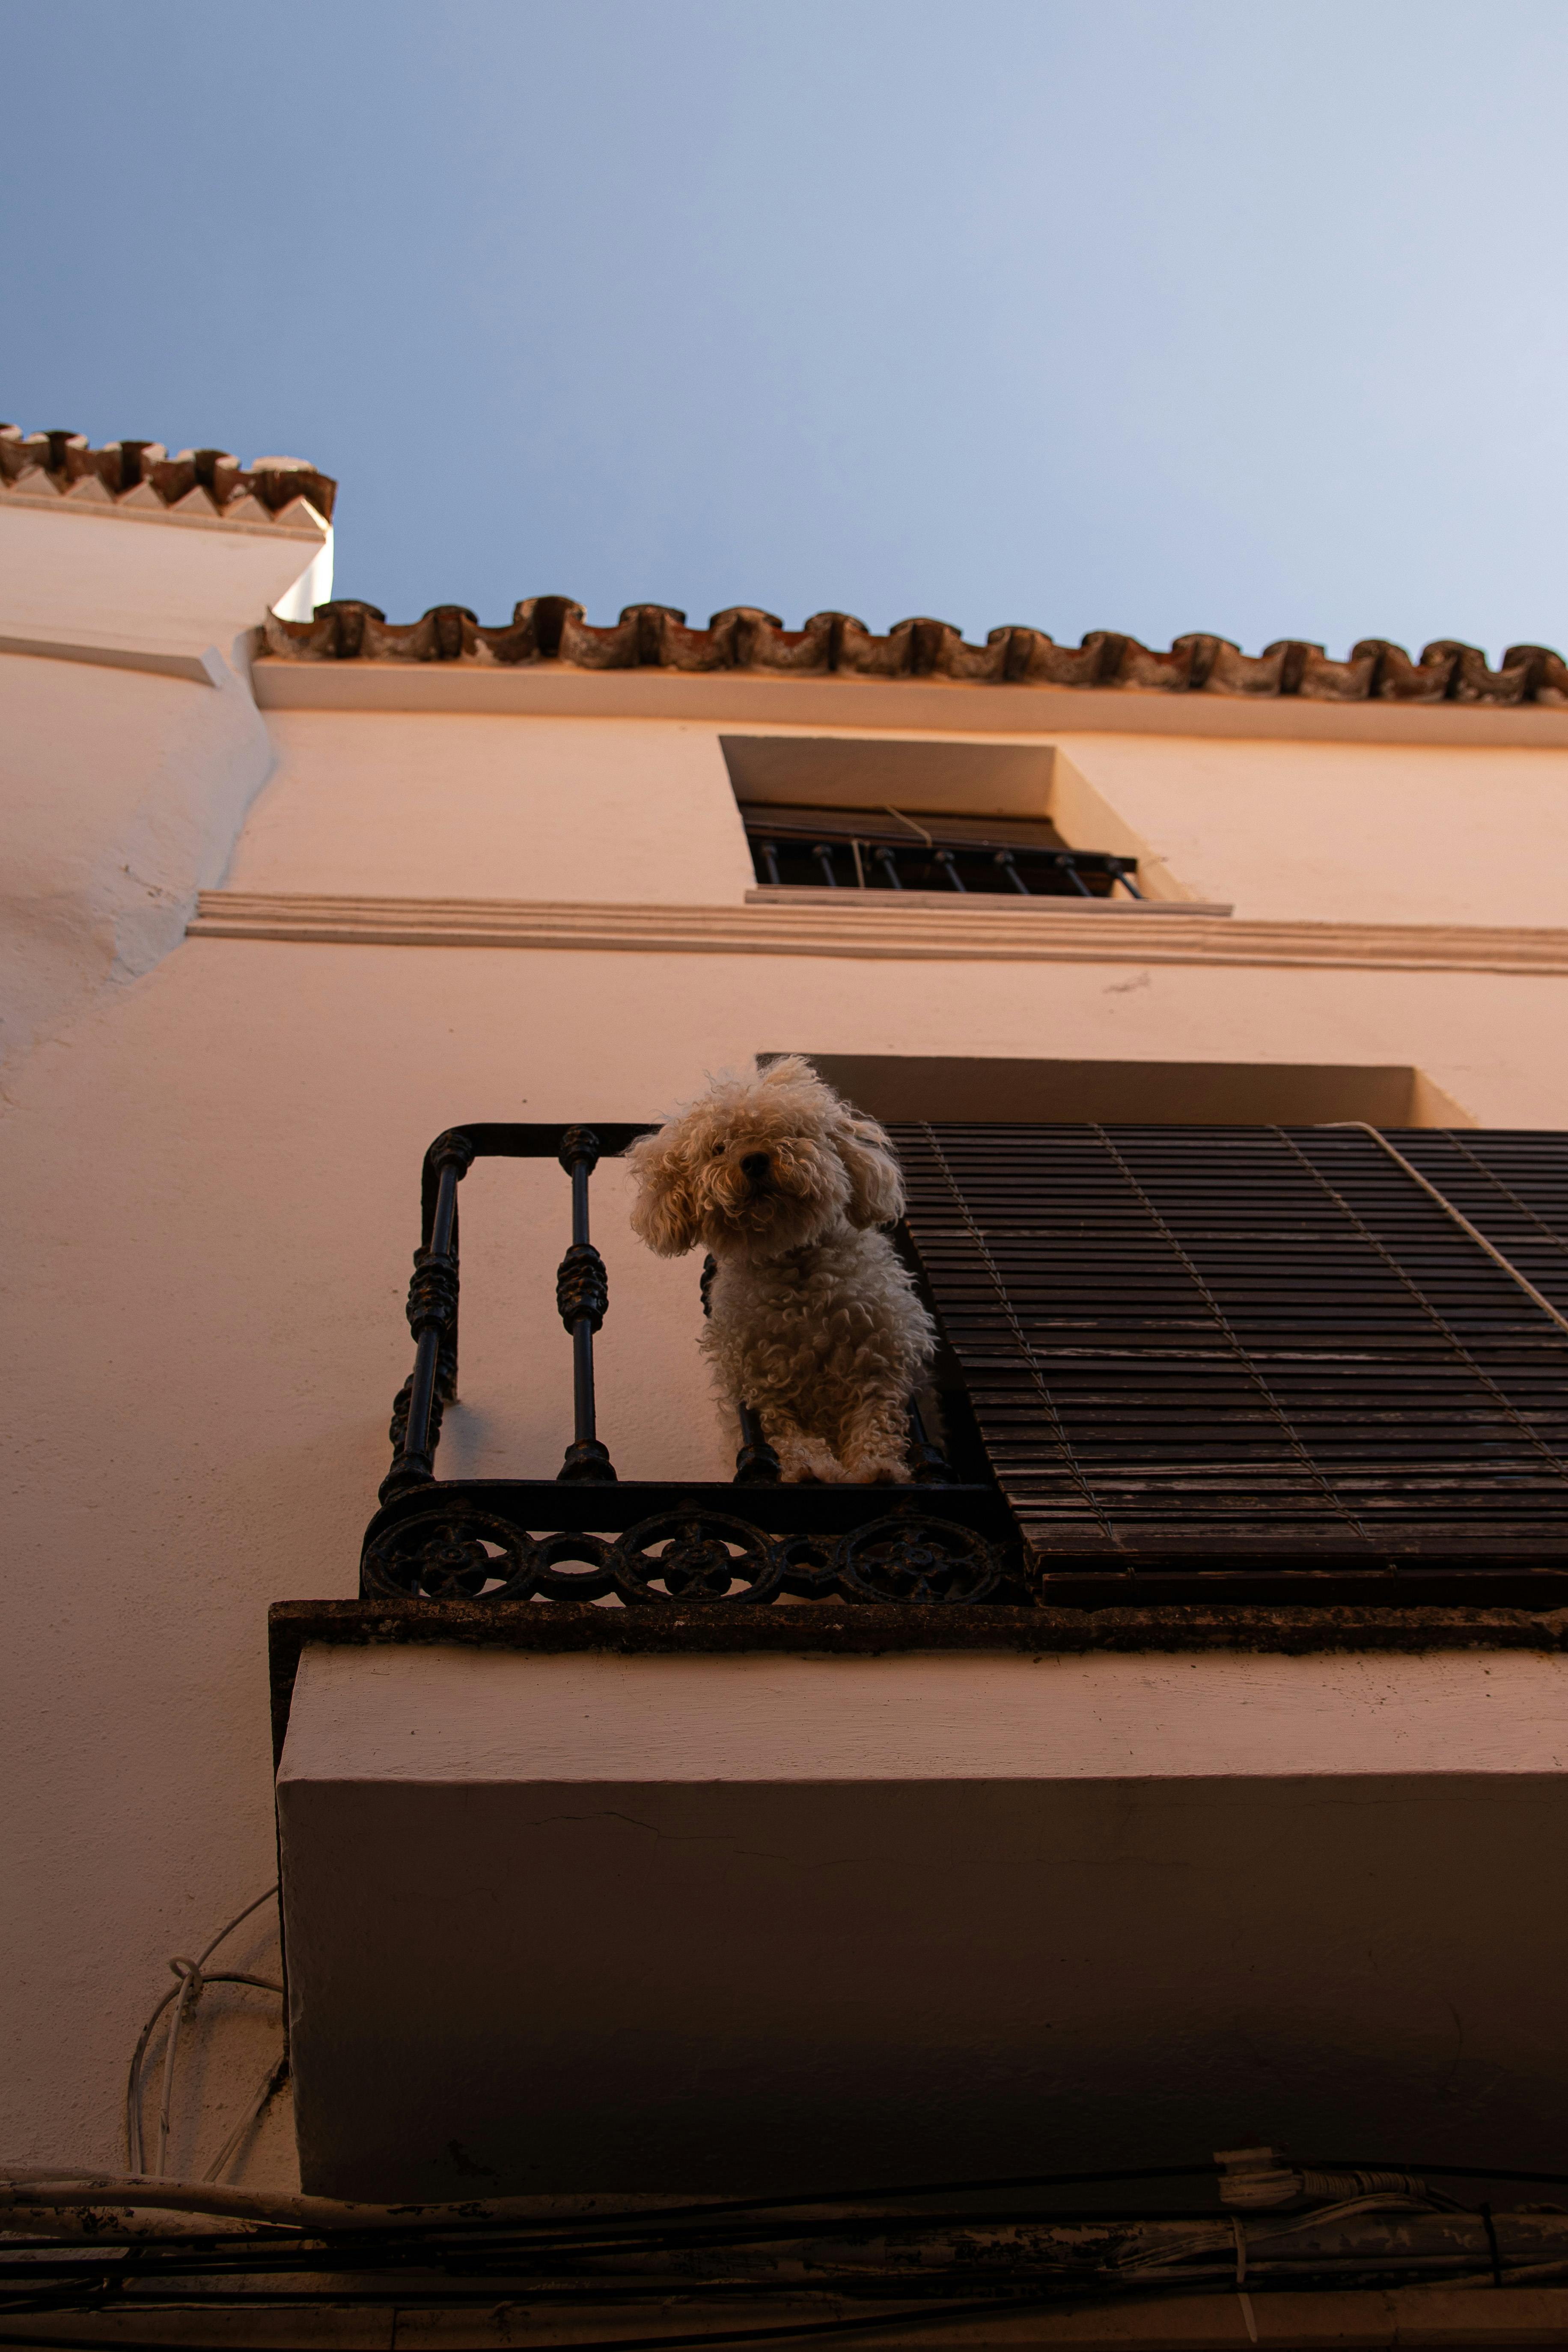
x,y
793,858
587,1535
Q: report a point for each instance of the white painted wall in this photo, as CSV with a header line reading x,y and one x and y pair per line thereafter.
x,y
410,804
130,743
137,583
121,791
437,804
1386,833
211,1157
219,1166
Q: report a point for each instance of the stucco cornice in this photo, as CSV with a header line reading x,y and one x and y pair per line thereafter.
x,y
921,706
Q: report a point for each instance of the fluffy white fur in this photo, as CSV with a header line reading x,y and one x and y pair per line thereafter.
x,y
813,1323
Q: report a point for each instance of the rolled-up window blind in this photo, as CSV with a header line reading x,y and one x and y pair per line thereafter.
x,y
1258,1344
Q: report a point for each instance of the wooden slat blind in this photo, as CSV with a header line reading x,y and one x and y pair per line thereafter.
x,y
1259,1343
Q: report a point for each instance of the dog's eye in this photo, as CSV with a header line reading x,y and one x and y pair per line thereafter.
x,y
720,1150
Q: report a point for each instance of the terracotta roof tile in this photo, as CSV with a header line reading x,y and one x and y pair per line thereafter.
x,y
656,636
142,476
212,484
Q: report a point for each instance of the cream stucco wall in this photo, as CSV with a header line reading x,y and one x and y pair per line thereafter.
x,y
410,805
1386,833
129,742
219,1168
212,1149
439,804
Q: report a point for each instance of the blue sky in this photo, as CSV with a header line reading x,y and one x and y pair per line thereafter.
x,y
1148,314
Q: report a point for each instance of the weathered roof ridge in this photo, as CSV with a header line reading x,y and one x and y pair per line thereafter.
x,y
141,475
552,629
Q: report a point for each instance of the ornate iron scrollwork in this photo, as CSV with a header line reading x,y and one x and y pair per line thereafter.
x,y
582,1288
398,1429
451,1555
432,1293
808,1566
907,1557
691,1555
596,1574
696,1555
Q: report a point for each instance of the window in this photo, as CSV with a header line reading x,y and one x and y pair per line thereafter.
x,y
826,813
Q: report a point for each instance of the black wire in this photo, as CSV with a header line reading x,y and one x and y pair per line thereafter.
x,y
1433,2171
807,2327
237,2253
1154,2292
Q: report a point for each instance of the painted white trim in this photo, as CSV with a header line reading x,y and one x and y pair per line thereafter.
x,y
200,669
910,706
1003,934
450,1714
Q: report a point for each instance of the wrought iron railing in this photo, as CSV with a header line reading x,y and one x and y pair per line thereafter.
x,y
588,1535
792,855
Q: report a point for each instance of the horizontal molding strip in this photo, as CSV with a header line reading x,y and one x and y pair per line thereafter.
x,y
970,934
910,706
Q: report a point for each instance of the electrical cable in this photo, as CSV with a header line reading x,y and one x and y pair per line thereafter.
x,y
36,2185
192,1979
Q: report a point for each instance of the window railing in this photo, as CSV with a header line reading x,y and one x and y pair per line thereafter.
x,y
828,857
588,1535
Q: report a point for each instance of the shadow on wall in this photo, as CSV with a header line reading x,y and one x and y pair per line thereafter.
x,y
1154,1094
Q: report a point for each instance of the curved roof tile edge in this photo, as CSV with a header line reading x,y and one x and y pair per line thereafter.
x,y
552,629
144,471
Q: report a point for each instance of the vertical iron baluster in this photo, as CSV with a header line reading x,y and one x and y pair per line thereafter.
x,y
756,1464
824,855
433,1320
770,850
582,1296
931,1467
1070,863
1119,870
945,858
889,866
1006,861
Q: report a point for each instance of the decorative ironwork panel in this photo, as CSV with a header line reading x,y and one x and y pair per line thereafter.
x,y
691,1553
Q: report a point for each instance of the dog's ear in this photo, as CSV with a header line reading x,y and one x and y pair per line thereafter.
x,y
664,1213
876,1182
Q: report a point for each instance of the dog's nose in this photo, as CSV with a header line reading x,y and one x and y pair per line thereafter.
x,y
754,1165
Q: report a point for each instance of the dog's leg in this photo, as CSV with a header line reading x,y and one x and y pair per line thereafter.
x,y
804,1460
875,1451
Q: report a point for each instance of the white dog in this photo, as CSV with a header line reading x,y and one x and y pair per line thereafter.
x,y
813,1323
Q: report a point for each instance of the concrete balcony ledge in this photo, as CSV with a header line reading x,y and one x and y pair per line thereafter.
x,y
722,1920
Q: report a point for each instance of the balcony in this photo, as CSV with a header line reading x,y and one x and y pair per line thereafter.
x,y
589,1536
641,1835
1264,1366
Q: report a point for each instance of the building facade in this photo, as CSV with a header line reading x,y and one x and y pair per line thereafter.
x,y
1081,1871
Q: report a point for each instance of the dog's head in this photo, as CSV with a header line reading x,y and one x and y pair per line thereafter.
x,y
757,1166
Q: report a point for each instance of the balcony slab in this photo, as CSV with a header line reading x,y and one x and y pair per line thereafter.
x,y
774,1920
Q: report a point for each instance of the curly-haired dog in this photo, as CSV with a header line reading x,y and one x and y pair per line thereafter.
x,y
813,1323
